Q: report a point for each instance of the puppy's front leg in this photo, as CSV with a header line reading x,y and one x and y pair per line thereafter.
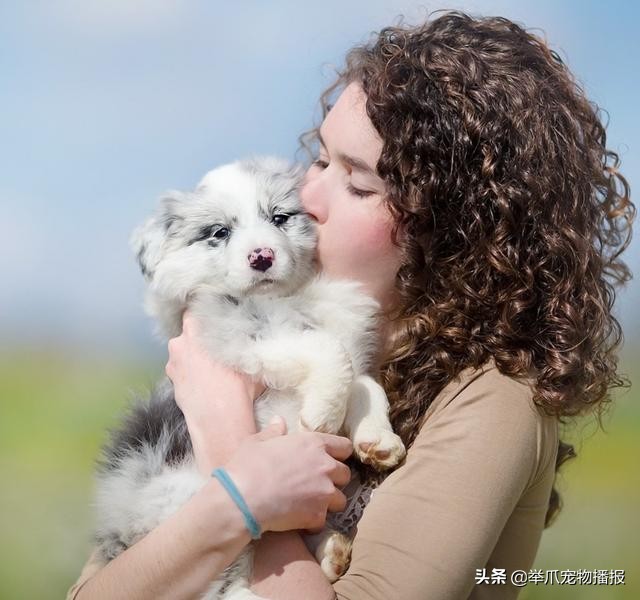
x,y
313,363
367,425
277,361
327,389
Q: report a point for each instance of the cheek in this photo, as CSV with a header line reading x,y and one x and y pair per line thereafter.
x,y
380,232
365,241
374,236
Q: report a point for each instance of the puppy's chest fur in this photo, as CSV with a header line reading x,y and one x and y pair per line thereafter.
x,y
231,325
263,318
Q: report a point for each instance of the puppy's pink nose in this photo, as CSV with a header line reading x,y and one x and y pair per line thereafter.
x,y
261,259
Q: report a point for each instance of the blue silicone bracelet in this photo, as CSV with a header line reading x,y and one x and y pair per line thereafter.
x,y
252,525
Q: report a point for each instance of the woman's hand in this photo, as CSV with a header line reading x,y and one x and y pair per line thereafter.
x,y
290,481
217,402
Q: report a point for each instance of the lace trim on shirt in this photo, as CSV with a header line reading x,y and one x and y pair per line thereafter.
x,y
358,494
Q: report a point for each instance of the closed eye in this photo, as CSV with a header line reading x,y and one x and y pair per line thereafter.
x,y
357,192
322,164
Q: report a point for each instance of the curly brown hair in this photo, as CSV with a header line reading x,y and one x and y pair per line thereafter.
x,y
510,212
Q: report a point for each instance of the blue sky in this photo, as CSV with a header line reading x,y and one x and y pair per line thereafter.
x,y
106,104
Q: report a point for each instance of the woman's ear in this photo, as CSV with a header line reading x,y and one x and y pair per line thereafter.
x,y
149,240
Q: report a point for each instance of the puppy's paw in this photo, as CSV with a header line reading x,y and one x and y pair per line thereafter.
x,y
334,555
380,448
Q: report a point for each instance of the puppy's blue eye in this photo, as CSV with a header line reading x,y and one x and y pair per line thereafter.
x,y
280,219
221,233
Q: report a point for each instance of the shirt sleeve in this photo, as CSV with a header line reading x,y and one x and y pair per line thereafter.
x,y
437,518
90,568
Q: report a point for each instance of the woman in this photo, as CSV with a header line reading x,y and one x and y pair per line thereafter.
x,y
464,178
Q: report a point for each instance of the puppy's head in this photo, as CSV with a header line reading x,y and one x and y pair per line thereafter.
x,y
242,231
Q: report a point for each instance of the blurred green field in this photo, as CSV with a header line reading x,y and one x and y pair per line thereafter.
x,y
55,407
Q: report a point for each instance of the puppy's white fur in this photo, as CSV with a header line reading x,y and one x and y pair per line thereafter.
x,y
309,338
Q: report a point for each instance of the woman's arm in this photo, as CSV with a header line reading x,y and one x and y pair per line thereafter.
x,y
217,402
436,519
283,566
180,557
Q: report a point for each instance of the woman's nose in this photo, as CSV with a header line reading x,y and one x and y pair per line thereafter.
x,y
311,194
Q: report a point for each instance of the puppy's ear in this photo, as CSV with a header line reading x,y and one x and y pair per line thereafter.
x,y
149,240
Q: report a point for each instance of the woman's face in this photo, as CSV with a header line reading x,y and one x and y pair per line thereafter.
x,y
344,195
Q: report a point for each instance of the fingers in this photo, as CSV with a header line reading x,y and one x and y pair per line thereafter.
x,y
276,427
188,322
341,474
317,522
315,529
279,421
337,501
173,347
337,446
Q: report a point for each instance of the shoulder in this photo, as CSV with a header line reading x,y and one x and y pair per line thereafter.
x,y
498,412
489,392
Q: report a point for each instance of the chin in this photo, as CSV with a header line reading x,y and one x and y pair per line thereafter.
x,y
263,286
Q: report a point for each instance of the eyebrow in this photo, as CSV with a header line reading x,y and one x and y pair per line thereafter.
x,y
352,161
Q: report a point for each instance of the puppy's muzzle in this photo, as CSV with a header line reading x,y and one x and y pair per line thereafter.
x,y
261,259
